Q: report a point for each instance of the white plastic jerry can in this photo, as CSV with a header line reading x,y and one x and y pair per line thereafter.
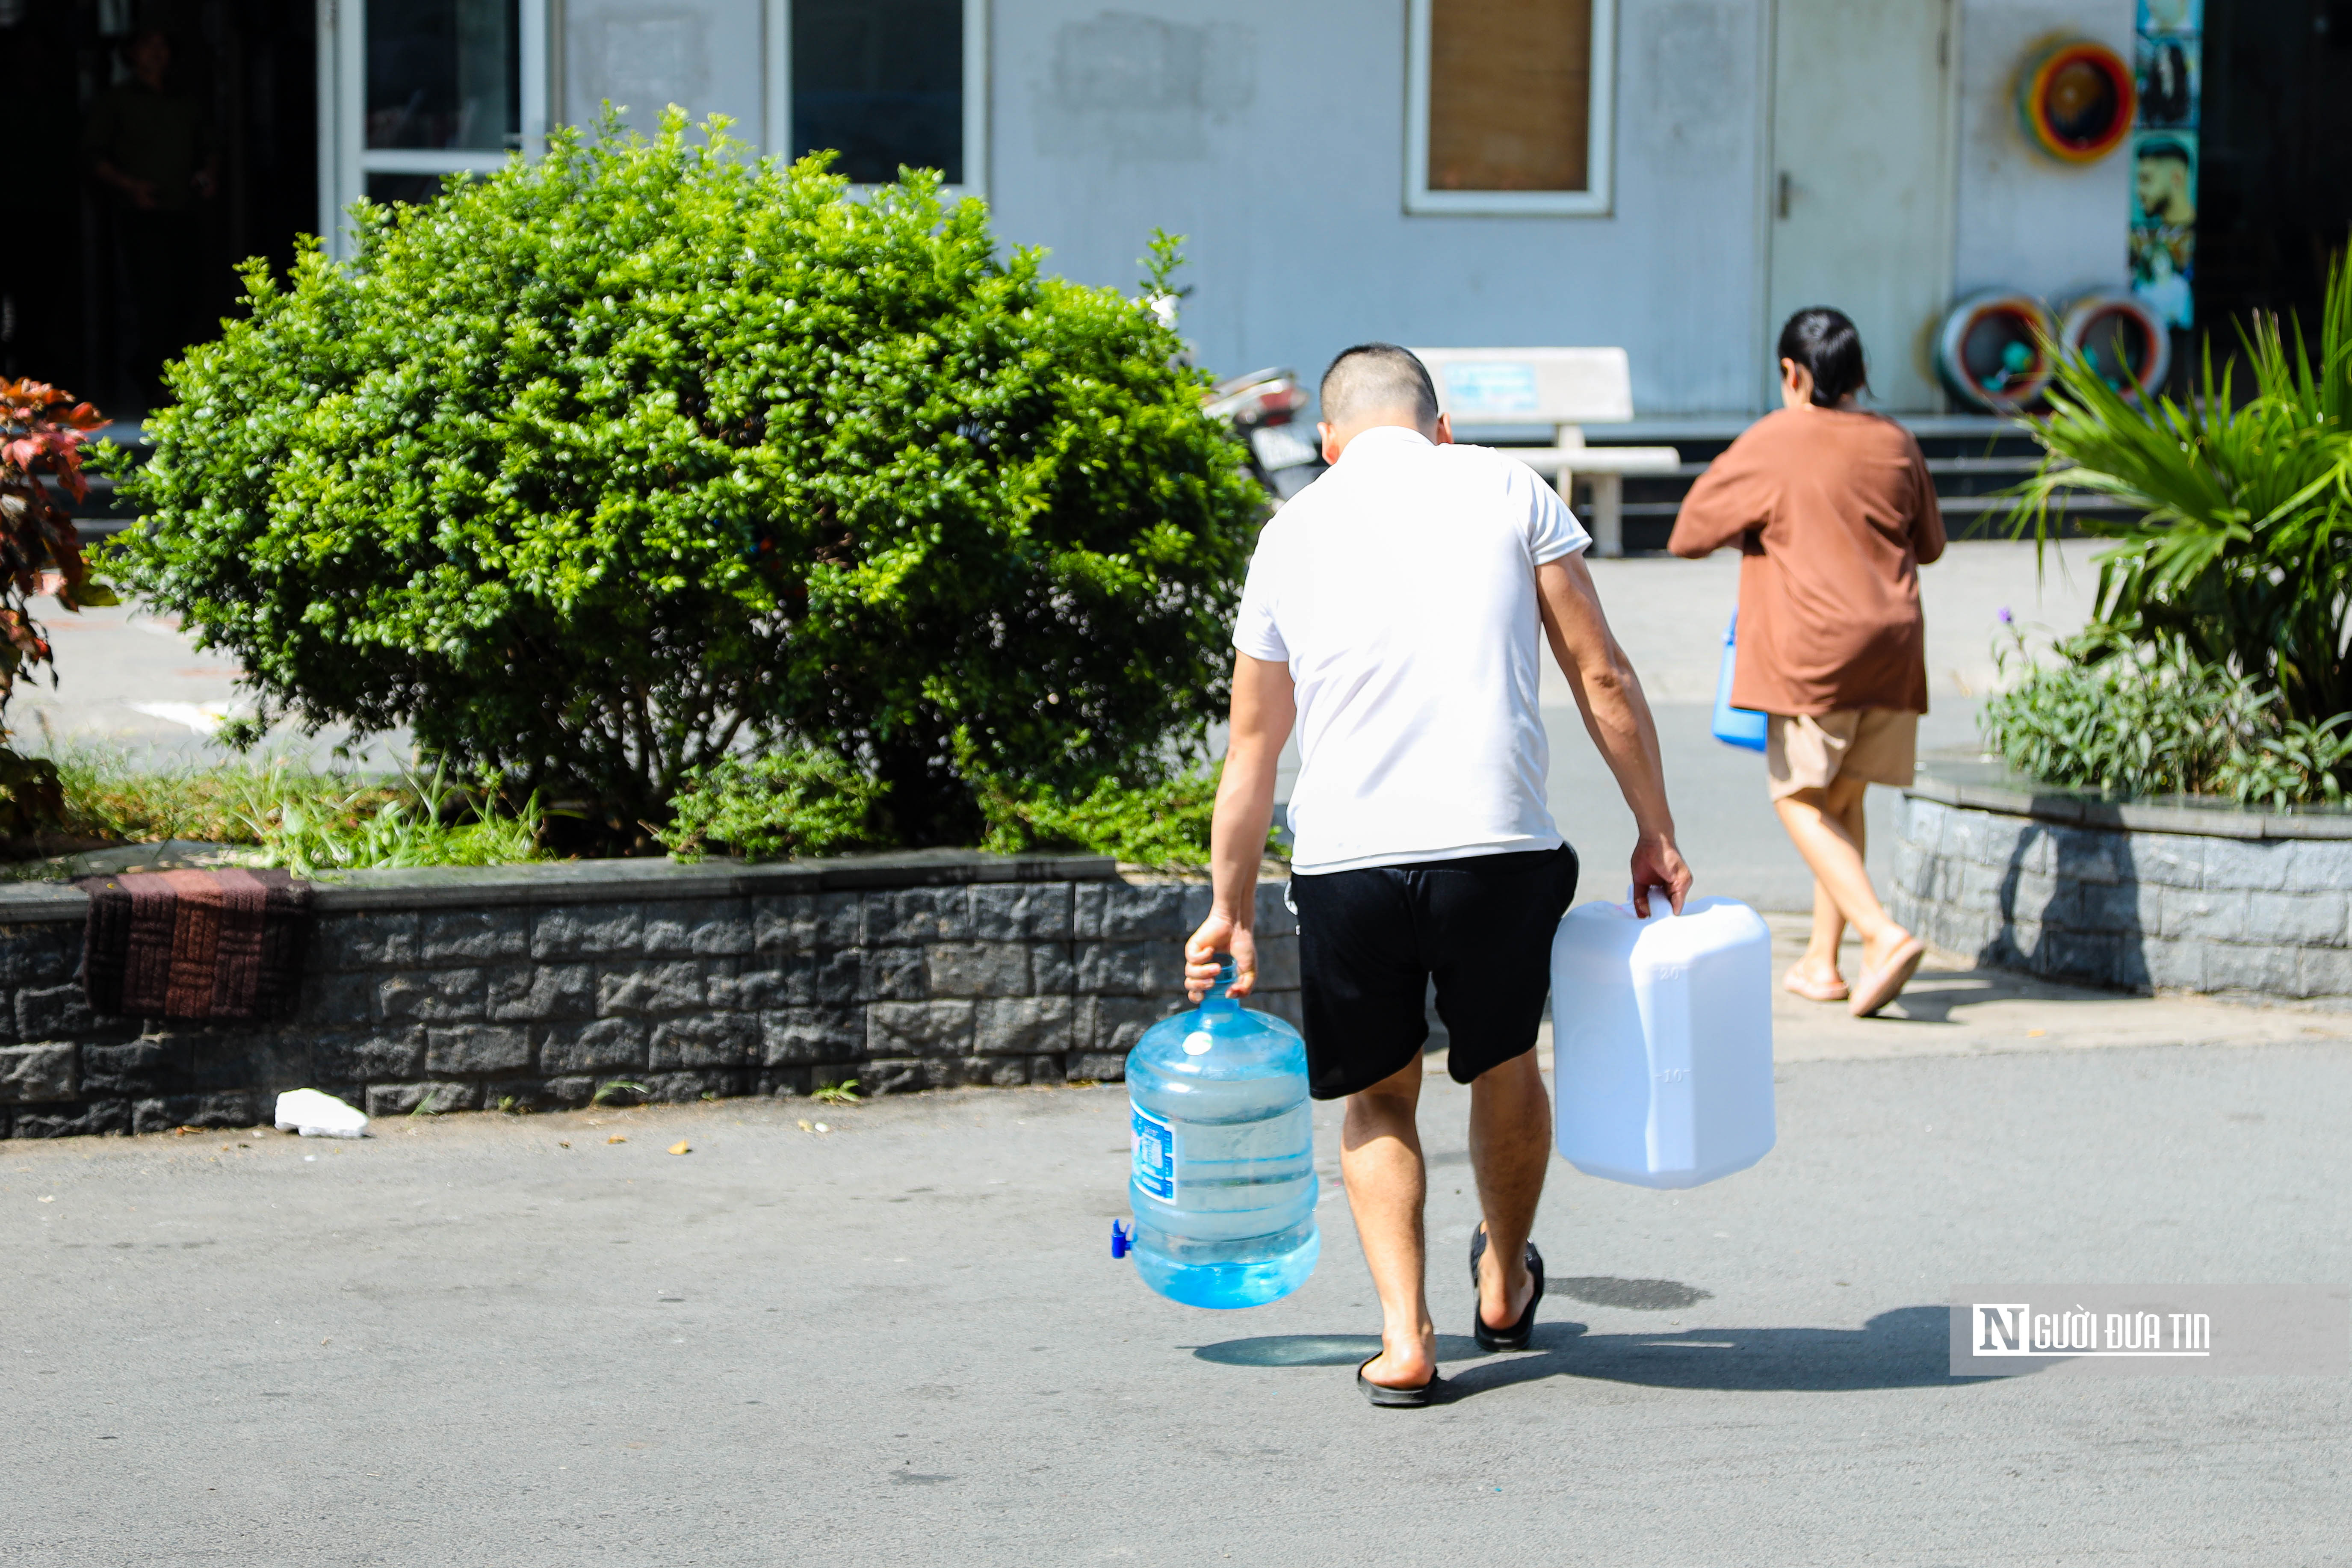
x,y
1662,1040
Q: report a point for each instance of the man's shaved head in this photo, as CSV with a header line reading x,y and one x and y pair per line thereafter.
x,y
1378,378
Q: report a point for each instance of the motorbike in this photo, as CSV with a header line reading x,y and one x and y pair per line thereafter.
x,y
1263,405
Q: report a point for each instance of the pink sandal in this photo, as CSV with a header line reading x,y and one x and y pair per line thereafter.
x,y
1885,983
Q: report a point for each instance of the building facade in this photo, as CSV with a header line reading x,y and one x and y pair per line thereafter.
x,y
1671,177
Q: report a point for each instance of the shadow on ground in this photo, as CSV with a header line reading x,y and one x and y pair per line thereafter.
x,y
1935,991
1910,1347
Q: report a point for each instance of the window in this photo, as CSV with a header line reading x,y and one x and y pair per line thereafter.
x,y
890,82
1508,106
411,90
443,73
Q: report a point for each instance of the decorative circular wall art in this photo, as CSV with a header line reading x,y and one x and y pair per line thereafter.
x,y
1991,349
2124,341
2077,99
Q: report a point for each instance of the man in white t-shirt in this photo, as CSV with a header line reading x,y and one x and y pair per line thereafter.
x,y
1395,613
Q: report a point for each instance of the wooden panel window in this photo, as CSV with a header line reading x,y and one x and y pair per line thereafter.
x,y
1509,106
1510,94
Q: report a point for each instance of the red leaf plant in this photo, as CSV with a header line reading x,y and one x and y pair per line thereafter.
x,y
42,430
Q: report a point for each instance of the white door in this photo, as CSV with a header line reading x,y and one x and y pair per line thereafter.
x,y
1861,197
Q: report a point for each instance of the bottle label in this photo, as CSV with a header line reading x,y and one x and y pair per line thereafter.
x,y
1155,1154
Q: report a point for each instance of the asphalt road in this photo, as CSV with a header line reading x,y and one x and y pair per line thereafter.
x,y
903,1340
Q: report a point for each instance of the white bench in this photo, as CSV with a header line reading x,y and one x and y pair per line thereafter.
x,y
1566,389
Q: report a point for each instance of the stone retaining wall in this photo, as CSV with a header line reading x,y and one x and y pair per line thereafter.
x,y
531,987
2132,898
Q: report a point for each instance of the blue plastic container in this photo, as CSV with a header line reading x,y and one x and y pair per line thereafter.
x,y
1223,1137
1742,727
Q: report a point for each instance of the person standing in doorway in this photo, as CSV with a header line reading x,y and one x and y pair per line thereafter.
x,y
152,148
1394,613
1834,513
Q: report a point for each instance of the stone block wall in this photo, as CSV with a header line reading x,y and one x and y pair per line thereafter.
x,y
535,986
2128,907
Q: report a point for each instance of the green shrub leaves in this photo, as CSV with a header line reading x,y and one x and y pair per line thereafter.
x,y
2217,659
602,468
799,802
2149,718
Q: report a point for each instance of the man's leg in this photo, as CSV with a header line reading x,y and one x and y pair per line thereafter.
x,y
1825,825
1510,1152
1379,1158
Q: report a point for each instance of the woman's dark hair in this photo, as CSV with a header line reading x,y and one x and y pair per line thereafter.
x,y
1826,343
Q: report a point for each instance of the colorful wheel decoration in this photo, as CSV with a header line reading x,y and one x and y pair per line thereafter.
x,y
2124,341
2077,100
1990,351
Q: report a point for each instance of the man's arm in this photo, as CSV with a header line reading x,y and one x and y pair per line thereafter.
x,y
1617,716
1264,707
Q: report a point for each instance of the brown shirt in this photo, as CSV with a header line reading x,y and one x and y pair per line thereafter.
x,y
1834,514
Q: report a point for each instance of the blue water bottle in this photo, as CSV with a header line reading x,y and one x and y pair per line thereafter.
x,y
1224,1186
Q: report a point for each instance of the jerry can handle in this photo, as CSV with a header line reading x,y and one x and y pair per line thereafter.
x,y
1662,903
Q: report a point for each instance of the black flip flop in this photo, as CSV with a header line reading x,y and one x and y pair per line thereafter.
x,y
1388,1398
1514,1338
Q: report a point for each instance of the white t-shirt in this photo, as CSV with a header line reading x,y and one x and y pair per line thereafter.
x,y
1400,587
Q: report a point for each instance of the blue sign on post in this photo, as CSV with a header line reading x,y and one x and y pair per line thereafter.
x,y
1491,388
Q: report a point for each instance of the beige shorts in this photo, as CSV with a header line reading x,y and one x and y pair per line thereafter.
x,y
1878,745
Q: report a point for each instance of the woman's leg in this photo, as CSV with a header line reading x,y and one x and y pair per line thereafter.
x,y
1827,826
1819,963
1819,967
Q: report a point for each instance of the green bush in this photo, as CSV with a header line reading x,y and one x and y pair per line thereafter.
x,y
2137,717
800,802
1163,824
597,468
2240,545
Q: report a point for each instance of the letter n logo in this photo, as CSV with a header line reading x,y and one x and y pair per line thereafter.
x,y
2001,1328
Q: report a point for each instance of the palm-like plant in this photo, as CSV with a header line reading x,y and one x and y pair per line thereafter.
x,y
2243,550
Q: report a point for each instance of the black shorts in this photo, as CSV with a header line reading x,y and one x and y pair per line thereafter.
x,y
1369,941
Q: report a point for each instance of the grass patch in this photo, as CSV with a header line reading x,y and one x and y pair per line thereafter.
x,y
114,795
299,817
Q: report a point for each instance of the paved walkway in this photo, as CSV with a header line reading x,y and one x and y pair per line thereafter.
x,y
1670,616
129,678
892,1334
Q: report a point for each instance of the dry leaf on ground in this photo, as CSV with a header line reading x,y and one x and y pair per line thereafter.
x,y
681,1147
616,1138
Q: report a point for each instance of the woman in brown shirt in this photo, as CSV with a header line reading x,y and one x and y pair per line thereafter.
x,y
1834,513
